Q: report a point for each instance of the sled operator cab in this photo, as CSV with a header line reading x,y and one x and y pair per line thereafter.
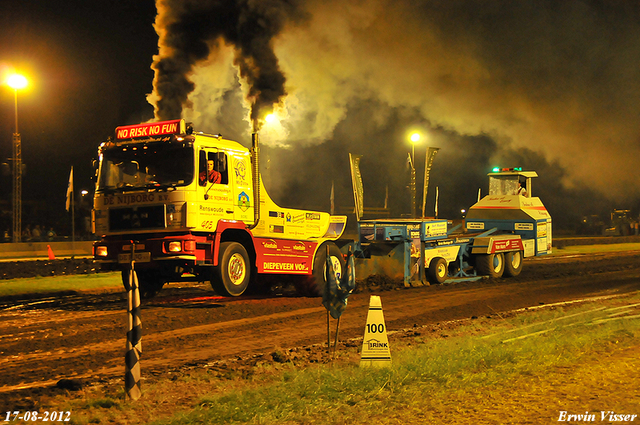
x,y
510,207
510,181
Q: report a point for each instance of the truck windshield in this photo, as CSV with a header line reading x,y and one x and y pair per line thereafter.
x,y
147,165
503,185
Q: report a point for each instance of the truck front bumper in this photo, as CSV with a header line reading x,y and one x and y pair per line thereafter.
x,y
115,253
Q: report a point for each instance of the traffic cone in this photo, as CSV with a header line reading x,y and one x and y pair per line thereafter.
x,y
375,346
50,252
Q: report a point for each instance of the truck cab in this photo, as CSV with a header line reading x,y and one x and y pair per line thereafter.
x,y
185,205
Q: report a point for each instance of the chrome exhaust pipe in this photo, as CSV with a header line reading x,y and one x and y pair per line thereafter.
x,y
255,170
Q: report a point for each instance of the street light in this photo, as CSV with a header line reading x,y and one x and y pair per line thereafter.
x,y
271,119
17,82
415,138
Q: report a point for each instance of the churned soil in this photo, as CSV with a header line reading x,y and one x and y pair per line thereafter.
x,y
82,337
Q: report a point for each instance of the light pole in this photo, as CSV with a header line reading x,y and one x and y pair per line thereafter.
x,y
415,138
17,82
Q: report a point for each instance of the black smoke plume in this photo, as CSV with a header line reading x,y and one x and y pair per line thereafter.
x,y
193,30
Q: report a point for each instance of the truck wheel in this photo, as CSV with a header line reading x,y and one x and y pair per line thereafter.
x,y
313,285
437,270
513,263
491,265
231,277
149,282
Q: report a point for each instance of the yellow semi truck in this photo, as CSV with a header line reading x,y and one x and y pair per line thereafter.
x,y
185,205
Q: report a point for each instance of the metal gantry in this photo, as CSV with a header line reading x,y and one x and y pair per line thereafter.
x,y
17,81
17,188
17,179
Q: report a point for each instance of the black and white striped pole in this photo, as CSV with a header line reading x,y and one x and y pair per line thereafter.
x,y
134,334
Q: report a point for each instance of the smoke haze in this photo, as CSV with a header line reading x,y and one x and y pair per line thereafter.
x,y
546,84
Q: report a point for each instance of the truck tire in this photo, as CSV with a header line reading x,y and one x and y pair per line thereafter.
x,y
491,265
437,270
231,276
313,285
513,263
149,282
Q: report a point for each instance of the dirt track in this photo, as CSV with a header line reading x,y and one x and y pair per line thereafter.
x,y
47,339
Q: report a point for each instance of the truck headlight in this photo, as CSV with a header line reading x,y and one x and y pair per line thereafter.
x,y
175,246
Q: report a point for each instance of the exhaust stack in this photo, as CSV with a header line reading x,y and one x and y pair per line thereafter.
x,y
255,170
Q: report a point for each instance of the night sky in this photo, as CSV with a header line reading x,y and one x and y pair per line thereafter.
x,y
88,64
549,86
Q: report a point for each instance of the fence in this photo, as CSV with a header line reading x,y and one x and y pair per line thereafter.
x,y
38,250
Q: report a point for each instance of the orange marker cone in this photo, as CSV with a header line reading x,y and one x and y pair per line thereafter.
x,y
50,252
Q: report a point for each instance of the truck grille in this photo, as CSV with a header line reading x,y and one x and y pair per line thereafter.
x,y
134,218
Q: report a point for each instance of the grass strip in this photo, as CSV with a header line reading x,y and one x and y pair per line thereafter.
x,y
440,368
587,249
69,283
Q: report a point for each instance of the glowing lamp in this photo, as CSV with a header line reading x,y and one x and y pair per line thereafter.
x,y
498,169
175,246
17,81
270,119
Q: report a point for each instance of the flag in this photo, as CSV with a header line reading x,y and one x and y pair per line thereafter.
x,y
431,153
70,189
333,205
386,198
356,180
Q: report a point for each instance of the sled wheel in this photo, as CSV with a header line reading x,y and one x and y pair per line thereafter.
x,y
491,265
437,270
513,263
